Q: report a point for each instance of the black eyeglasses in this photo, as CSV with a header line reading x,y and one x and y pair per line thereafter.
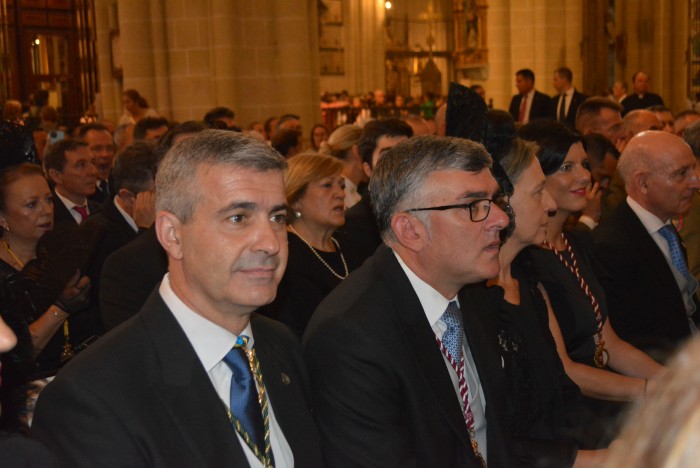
x,y
478,209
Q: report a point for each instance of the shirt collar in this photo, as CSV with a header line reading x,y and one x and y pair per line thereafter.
x,y
651,222
210,341
434,304
69,204
126,215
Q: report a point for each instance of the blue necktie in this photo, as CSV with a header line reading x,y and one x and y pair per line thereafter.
x,y
452,339
244,395
674,245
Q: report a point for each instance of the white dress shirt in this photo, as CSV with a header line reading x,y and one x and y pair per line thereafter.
x,y
211,343
70,205
528,105
434,305
569,96
652,224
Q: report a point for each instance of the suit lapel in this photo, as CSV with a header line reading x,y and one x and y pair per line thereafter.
x,y
186,391
648,250
419,335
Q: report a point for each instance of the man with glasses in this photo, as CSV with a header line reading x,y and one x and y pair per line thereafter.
x,y
401,370
102,148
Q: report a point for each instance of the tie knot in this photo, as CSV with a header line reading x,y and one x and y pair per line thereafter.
x,y
669,232
452,338
453,316
241,342
82,210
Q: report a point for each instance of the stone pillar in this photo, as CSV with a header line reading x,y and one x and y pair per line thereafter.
x,y
656,43
137,30
500,85
109,100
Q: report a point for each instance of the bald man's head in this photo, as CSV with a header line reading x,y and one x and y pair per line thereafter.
x,y
659,173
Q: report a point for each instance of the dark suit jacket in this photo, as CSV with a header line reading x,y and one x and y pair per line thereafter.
x,y
61,212
645,305
381,391
140,397
540,108
99,196
360,229
109,231
570,119
128,277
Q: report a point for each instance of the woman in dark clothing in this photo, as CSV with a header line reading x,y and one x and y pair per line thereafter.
x,y
602,365
317,261
546,414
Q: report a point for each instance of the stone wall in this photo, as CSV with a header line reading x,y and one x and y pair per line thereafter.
x,y
259,58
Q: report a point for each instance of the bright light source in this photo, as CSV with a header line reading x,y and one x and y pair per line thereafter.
x,y
37,42
387,5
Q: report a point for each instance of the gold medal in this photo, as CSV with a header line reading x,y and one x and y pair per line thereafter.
x,y
601,357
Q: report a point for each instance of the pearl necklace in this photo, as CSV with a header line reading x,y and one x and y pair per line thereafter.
x,y
337,246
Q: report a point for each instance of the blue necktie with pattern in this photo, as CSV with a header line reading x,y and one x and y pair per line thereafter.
x,y
671,235
244,395
452,339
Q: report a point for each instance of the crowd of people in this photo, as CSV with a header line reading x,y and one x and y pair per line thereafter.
x,y
399,291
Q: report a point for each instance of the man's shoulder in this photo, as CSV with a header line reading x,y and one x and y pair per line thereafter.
x,y
360,298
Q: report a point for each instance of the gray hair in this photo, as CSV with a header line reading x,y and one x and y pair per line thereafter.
x,y
400,175
175,190
519,156
692,137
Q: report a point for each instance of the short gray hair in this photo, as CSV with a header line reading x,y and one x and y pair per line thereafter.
x,y
692,137
175,190
400,175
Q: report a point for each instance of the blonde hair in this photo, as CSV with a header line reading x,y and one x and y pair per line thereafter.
x,y
664,430
306,168
341,141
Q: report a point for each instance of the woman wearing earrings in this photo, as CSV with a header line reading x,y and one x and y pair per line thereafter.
x,y
604,366
317,261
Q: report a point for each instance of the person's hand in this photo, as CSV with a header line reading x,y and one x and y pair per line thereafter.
x,y
145,209
593,202
76,295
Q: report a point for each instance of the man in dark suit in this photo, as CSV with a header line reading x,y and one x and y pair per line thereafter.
x,y
102,147
529,104
122,217
128,277
643,270
197,378
567,100
377,138
402,373
71,167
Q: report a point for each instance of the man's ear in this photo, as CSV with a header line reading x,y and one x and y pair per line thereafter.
x,y
169,231
409,231
639,179
368,170
127,197
56,176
